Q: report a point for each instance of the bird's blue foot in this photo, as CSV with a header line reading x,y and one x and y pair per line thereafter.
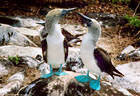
x,y
95,84
60,73
48,75
83,78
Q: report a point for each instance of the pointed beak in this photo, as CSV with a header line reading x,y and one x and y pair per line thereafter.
x,y
65,11
85,20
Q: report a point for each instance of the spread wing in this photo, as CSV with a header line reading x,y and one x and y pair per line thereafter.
x,y
44,49
104,62
65,43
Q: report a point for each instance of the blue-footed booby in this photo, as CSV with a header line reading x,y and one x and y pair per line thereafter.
x,y
54,44
96,60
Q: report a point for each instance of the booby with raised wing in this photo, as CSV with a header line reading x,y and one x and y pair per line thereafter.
x,y
96,60
54,44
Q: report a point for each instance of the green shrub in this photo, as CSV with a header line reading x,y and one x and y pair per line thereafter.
x,y
133,20
14,59
122,1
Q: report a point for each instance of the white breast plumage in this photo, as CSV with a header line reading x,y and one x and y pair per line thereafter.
x,y
87,56
55,50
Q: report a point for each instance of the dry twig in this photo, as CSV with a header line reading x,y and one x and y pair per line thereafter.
x,y
136,9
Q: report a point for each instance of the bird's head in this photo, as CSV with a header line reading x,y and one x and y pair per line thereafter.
x,y
53,17
56,14
91,24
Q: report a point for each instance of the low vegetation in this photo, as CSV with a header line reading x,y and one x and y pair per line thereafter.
x,y
133,20
14,59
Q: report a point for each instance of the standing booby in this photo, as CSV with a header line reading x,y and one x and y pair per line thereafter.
x,y
96,60
54,44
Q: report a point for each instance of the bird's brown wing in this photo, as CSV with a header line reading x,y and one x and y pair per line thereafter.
x,y
44,49
104,62
65,43
43,33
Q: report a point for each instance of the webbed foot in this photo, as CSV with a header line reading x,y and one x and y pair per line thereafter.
x,y
95,84
59,72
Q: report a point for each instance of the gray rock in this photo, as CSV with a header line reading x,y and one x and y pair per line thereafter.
x,y
30,61
13,50
74,61
8,20
129,52
5,66
3,70
14,83
74,29
131,79
27,31
108,19
65,86
16,72
32,34
28,22
10,36
135,54
21,22
44,68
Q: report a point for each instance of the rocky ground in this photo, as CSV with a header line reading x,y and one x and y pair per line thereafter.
x,y
19,37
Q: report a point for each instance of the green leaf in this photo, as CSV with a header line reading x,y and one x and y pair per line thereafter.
x,y
14,59
134,21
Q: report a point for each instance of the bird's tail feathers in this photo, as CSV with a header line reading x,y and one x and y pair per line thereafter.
x,y
117,73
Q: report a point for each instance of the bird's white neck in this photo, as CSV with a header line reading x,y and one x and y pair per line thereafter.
x,y
91,37
53,27
95,34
